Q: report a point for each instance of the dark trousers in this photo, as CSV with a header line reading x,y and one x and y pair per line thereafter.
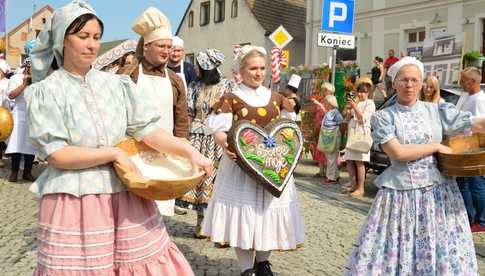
x,y
473,192
28,161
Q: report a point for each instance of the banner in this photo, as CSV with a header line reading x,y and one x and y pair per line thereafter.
x,y
2,16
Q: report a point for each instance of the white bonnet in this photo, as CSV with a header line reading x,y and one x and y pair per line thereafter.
x,y
246,49
152,25
396,67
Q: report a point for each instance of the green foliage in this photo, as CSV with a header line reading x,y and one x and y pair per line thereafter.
x,y
254,157
471,56
273,175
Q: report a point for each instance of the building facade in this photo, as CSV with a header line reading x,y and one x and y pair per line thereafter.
x,y
402,25
221,24
25,31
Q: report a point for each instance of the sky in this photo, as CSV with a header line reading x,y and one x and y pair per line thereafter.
x,y
117,16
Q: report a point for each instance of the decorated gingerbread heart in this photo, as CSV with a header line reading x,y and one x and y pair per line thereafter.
x,y
269,154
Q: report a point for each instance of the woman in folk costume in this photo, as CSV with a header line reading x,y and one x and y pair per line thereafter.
x,y
155,81
202,95
89,224
417,224
18,145
241,212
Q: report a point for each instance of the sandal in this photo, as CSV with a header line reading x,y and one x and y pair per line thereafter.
x,y
357,194
349,189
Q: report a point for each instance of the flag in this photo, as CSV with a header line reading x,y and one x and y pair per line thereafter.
x,y
2,16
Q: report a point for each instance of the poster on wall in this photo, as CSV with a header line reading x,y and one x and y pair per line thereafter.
x,y
416,52
442,57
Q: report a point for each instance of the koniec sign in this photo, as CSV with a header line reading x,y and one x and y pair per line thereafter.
x,y
336,40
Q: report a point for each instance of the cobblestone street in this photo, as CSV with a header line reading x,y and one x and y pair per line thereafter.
x,y
332,224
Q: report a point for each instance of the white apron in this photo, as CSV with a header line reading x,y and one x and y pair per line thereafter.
x,y
160,90
18,141
182,76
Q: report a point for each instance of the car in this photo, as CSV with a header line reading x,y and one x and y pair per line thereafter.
x,y
379,160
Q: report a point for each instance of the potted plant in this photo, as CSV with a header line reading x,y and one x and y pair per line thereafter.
x,y
473,58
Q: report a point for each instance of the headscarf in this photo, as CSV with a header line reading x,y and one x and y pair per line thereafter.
x,y
243,53
50,42
394,69
152,25
210,59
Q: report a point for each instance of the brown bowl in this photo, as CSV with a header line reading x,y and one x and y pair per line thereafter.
x,y
156,189
468,157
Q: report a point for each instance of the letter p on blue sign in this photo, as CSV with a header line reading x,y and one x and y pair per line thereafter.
x,y
338,16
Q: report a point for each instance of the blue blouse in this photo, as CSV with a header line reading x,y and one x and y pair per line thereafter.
x,y
332,119
98,111
420,124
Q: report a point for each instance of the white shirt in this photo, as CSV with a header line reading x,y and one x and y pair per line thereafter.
x,y
475,104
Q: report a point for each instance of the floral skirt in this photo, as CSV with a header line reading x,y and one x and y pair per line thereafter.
x,y
415,232
198,197
117,234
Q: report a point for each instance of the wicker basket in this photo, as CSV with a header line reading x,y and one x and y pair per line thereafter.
x,y
156,189
468,157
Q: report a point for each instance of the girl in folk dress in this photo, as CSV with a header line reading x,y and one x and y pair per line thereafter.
x,y
202,95
89,224
417,224
241,212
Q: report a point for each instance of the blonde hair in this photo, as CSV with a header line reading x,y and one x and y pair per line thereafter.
x,y
328,86
252,54
472,73
332,100
435,83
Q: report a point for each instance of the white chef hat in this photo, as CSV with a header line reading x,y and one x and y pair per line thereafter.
x,y
396,67
152,25
4,66
294,81
177,41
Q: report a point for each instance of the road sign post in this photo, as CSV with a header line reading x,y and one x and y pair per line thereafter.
x,y
337,18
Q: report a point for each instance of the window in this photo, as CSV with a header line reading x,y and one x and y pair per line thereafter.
x,y
219,8
191,19
43,20
205,11
234,9
416,36
190,58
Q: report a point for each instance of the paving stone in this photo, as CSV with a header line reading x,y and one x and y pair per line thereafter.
x,y
332,222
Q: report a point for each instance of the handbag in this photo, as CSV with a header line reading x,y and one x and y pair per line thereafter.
x,y
359,138
327,140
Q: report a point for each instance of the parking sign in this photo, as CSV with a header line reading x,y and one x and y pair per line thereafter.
x,y
338,16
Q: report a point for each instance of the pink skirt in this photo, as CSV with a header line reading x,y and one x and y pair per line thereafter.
x,y
105,234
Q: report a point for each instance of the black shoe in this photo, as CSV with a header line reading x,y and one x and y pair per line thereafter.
x,y
248,272
263,269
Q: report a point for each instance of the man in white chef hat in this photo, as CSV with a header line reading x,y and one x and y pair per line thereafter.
x,y
291,92
176,62
155,80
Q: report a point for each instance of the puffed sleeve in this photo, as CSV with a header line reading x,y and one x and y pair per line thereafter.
x,y
383,129
453,120
45,120
142,114
221,117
